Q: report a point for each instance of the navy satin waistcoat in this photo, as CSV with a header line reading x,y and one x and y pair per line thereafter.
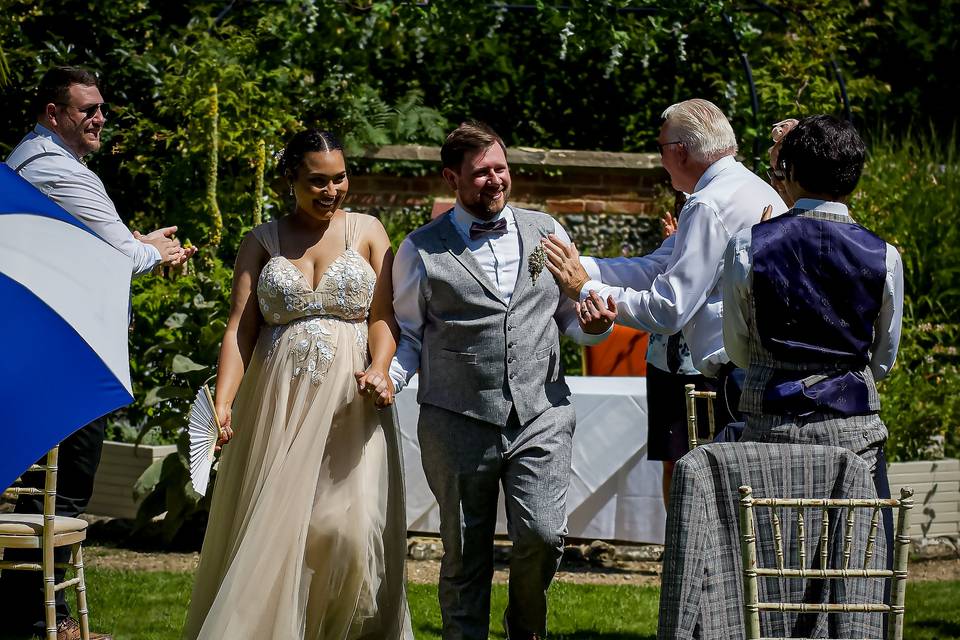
x,y
817,288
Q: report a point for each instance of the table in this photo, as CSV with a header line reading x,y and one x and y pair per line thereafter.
x,y
615,492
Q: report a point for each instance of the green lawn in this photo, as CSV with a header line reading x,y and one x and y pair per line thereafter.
x,y
152,605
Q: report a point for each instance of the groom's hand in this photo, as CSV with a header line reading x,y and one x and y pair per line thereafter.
x,y
596,317
563,261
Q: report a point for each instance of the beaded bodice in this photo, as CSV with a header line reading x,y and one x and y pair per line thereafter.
x,y
310,319
345,290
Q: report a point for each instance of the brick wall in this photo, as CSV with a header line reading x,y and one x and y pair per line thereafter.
x,y
605,200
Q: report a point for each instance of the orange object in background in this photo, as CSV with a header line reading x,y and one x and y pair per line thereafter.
x,y
624,353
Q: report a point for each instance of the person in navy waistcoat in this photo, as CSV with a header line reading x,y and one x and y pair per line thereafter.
x,y
812,305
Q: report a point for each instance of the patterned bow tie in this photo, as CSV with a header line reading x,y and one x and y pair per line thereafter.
x,y
496,227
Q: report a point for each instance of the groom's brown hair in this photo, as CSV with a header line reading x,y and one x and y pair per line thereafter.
x,y
471,135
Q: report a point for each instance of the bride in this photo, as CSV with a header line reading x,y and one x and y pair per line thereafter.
x,y
307,535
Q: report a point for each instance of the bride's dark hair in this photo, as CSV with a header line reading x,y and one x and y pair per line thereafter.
x,y
304,142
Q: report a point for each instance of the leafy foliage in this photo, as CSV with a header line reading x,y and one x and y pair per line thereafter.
x,y
909,195
578,74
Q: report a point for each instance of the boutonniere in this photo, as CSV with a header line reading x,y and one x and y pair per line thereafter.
x,y
536,262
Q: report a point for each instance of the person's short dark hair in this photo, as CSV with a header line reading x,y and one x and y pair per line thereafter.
x,y
824,155
469,136
55,86
304,142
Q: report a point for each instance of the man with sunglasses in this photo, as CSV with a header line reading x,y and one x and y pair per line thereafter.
x,y
70,118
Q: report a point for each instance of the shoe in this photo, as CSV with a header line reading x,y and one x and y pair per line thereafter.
x,y
69,629
506,631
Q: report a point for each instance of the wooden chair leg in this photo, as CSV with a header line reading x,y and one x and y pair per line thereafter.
x,y
49,592
82,612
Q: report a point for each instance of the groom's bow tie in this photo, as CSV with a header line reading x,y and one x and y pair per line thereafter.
x,y
496,227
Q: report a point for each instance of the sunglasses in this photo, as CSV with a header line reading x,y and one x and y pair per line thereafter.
x,y
661,146
89,112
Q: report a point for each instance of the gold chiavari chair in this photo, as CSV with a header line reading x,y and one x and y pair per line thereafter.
x,y
751,572
46,531
692,396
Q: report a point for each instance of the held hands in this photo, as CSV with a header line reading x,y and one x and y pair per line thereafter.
x,y
225,417
376,384
596,317
563,261
171,252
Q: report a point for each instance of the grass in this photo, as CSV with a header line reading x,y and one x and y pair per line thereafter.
x,y
138,605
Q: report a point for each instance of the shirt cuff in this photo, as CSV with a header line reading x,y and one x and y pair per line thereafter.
x,y
589,285
398,375
590,339
154,252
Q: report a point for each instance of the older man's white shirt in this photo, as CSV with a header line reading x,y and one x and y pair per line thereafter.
x,y
677,287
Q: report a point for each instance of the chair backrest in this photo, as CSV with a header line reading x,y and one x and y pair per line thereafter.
x,y
49,491
692,396
751,572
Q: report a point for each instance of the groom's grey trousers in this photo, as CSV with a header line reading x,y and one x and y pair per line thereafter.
x,y
466,461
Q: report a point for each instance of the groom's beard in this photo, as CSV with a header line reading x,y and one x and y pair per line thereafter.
x,y
485,205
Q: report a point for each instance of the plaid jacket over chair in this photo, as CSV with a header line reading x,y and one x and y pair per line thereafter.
x,y
702,593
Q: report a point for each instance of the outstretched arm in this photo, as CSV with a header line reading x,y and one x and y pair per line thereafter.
x,y
677,294
382,325
243,328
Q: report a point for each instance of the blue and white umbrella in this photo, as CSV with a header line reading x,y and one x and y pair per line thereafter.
x,y
64,300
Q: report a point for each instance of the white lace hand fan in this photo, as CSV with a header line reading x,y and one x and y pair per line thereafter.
x,y
204,430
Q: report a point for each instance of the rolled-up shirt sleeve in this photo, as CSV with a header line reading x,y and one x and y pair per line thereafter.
x,y
735,285
566,314
677,293
409,307
886,334
85,197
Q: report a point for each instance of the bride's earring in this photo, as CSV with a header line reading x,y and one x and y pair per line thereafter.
x,y
291,190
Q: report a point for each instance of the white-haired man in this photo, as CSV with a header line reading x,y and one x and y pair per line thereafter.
x,y
677,287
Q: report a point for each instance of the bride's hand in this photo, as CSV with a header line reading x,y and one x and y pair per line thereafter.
x,y
225,417
377,384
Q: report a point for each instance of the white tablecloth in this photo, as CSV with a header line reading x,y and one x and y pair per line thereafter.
x,y
615,492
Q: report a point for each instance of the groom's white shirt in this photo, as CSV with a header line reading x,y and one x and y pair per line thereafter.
x,y
677,287
498,256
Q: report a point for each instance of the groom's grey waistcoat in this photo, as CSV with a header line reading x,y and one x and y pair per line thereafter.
x,y
480,357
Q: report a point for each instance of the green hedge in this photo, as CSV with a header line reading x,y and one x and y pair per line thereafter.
x,y
910,196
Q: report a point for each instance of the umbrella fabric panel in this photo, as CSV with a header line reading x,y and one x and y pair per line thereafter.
x,y
51,381
19,196
79,276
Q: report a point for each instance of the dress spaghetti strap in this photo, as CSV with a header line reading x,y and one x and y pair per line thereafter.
x,y
355,224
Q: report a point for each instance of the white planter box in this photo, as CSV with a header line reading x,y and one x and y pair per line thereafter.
x,y
120,466
936,495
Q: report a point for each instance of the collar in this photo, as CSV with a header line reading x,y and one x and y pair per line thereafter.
x,y
43,132
462,219
827,206
713,170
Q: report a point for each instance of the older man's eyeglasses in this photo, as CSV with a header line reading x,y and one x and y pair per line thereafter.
x,y
89,112
661,145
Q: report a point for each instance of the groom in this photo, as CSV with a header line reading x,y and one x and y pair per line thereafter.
x,y
480,317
